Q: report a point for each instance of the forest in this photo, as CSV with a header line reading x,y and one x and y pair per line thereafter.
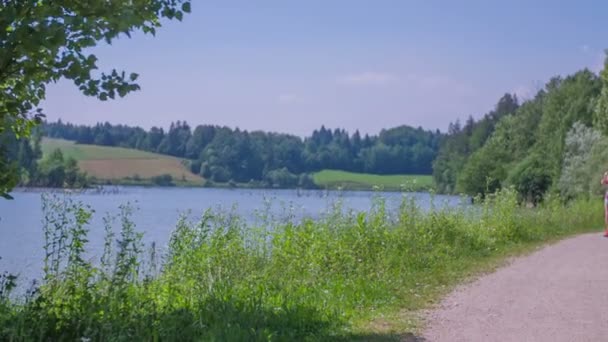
x,y
223,154
554,143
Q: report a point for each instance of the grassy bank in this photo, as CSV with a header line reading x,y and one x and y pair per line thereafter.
x,y
220,279
116,165
334,179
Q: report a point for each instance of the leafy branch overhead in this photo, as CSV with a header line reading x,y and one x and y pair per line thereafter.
x,y
43,41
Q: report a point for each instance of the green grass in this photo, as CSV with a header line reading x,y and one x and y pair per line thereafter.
x,y
116,164
94,152
334,179
348,276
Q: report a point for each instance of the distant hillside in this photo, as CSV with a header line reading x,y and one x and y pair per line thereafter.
x,y
226,156
120,164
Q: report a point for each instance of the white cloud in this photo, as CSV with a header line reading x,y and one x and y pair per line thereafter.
x,y
368,78
585,48
288,99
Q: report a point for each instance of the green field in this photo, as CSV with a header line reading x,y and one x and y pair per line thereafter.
x,y
94,152
117,163
333,179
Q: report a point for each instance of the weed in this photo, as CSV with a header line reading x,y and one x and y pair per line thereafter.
x,y
221,279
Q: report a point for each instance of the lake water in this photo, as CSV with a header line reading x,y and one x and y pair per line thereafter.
x,y
158,209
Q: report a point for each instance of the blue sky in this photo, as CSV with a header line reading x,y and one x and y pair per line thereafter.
x,y
293,66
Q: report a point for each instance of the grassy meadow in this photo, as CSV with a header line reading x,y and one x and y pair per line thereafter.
x,y
117,163
131,166
346,276
334,179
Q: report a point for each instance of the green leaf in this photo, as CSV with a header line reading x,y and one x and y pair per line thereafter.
x,y
50,38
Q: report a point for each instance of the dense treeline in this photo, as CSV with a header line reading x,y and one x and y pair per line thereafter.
x,y
24,159
462,141
222,154
554,142
545,145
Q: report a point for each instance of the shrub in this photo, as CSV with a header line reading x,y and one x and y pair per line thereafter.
x,y
281,178
223,279
531,179
195,166
219,174
306,181
580,161
163,180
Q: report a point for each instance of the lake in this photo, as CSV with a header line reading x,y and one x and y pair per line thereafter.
x,y
158,209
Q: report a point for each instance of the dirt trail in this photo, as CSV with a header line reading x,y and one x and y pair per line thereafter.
x,y
559,293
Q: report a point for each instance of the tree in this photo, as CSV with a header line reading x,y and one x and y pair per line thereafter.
x,y
461,145
44,41
71,172
281,178
163,180
243,156
567,101
600,115
201,137
584,161
52,170
481,175
531,179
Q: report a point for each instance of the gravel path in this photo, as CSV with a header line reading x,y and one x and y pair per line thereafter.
x,y
559,293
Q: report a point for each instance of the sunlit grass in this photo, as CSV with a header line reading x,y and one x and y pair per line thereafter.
x,y
94,152
223,279
334,179
119,164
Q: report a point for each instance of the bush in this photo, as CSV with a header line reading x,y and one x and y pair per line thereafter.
x,y
205,171
52,170
481,175
531,179
219,174
55,171
163,180
195,166
281,178
222,280
585,159
306,181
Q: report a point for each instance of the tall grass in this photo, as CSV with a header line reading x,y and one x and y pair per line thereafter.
x,y
221,279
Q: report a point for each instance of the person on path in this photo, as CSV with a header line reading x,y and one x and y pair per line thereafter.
x,y
605,182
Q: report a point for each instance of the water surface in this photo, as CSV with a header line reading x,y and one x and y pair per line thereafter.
x,y
158,209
